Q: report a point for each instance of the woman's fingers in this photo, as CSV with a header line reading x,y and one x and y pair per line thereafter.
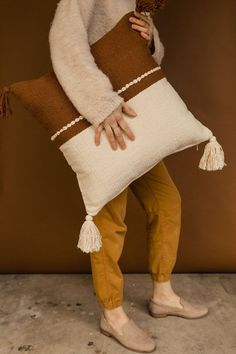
x,y
125,127
128,110
145,35
115,127
142,24
119,135
110,136
97,135
113,133
139,22
143,30
141,16
140,28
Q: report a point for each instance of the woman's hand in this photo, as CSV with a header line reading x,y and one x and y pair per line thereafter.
x,y
144,25
115,126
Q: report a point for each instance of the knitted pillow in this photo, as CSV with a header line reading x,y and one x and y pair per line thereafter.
x,y
163,124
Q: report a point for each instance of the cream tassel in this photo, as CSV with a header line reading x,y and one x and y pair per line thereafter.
x,y
89,238
213,156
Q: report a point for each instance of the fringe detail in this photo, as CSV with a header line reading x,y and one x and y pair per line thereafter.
x,y
213,156
150,6
89,238
5,108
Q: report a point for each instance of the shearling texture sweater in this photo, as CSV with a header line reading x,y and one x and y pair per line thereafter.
x,y
76,25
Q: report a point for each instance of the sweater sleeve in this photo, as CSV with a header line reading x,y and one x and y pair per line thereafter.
x,y
158,49
87,87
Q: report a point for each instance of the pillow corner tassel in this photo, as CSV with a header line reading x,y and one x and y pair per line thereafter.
x,y
89,237
213,156
5,108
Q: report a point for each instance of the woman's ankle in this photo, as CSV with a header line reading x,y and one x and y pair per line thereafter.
x,y
117,313
162,289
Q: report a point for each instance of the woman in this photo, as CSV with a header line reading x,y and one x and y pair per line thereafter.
x,y
78,24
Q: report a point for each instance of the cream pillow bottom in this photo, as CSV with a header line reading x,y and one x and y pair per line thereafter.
x,y
163,126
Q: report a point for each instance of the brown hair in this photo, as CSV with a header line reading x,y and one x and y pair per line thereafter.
x,y
149,5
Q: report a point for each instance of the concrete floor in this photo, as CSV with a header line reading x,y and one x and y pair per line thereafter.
x,y
59,314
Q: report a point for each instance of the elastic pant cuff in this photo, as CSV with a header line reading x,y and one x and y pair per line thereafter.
x,y
111,304
161,276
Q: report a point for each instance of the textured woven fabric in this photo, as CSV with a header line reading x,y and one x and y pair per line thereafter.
x,y
162,127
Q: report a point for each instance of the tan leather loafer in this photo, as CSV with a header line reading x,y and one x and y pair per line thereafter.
x,y
190,311
133,337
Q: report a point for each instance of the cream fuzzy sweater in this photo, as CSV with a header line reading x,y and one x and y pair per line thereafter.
x,y
76,25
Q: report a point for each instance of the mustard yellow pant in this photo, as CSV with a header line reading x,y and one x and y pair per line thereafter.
x,y
160,199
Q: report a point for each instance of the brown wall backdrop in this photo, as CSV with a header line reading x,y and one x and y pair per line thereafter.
x,y
41,209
